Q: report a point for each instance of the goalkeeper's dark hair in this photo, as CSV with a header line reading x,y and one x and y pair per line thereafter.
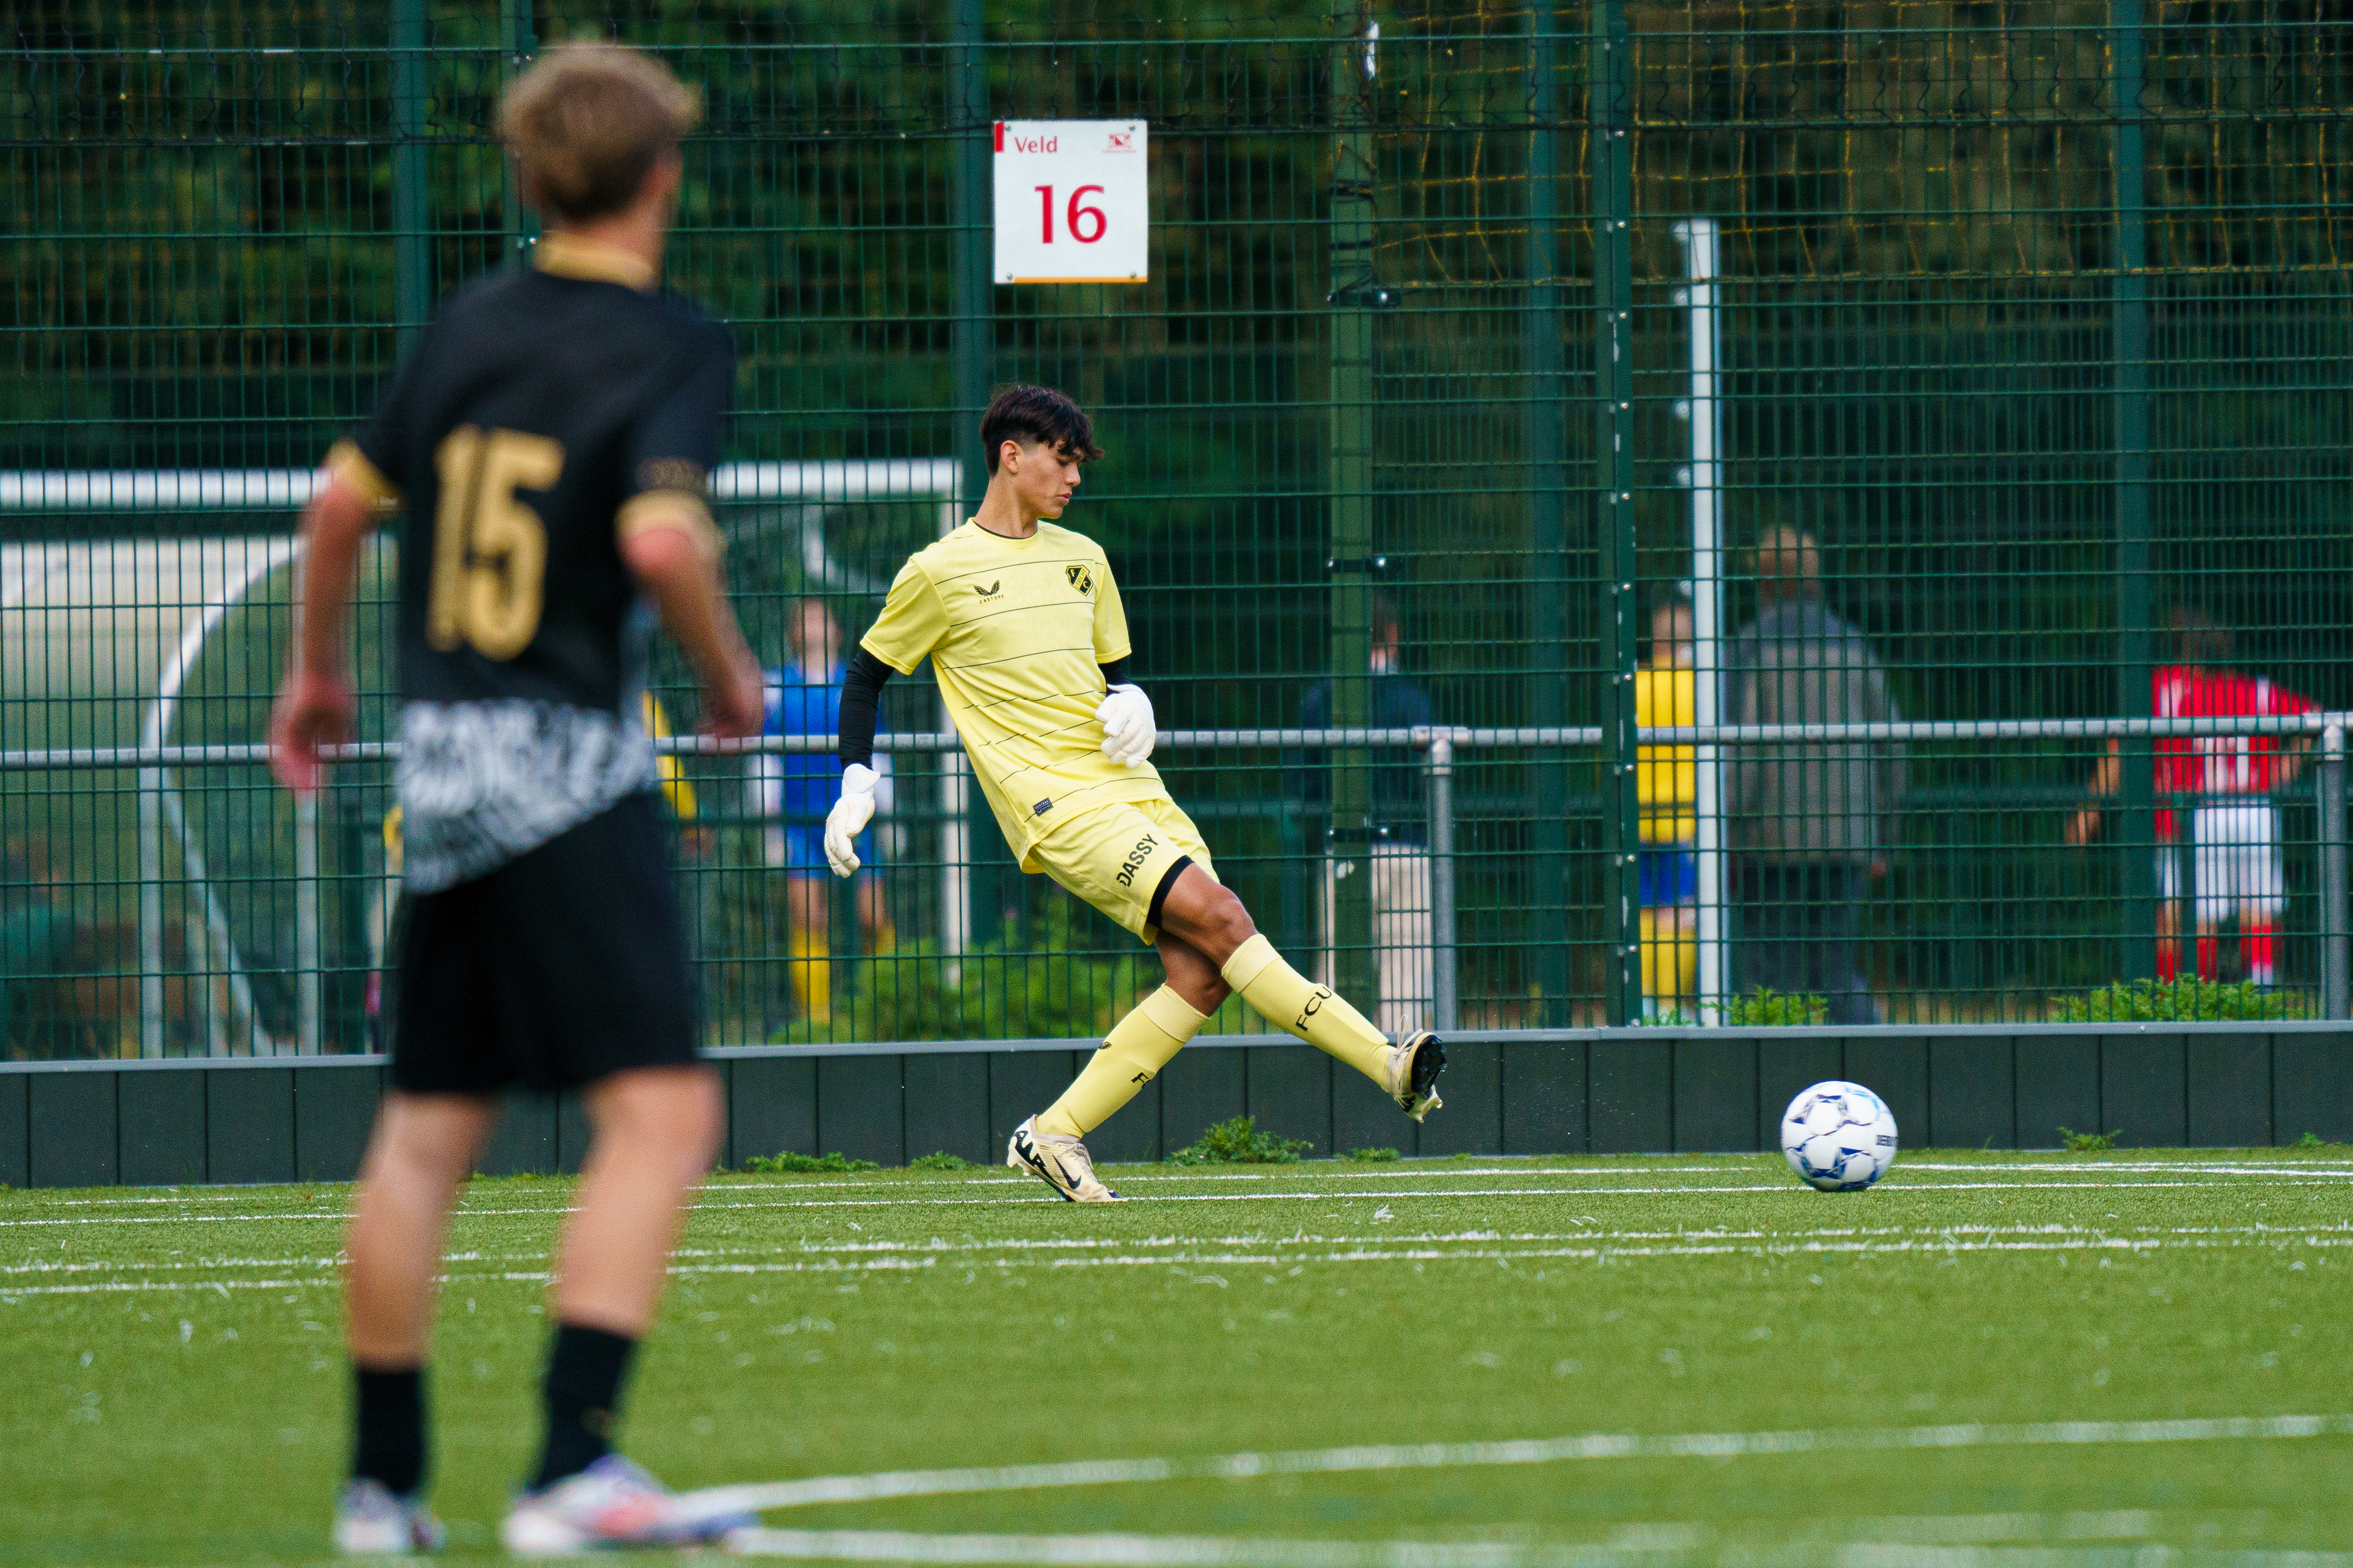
x,y
1035,415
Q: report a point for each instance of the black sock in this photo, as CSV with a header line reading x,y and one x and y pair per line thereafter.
x,y
585,1368
388,1423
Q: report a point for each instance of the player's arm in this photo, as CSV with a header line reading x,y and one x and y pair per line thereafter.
x,y
1129,725
669,544
678,568
314,707
914,619
2106,779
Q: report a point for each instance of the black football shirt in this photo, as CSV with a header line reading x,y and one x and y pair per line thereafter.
x,y
547,412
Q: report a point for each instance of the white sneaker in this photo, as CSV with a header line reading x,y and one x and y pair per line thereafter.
x,y
1415,1063
372,1523
613,1502
1059,1160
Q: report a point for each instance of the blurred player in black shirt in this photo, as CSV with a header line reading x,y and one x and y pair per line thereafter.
x,y
547,445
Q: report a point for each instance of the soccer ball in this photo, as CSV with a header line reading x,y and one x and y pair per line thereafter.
x,y
1839,1136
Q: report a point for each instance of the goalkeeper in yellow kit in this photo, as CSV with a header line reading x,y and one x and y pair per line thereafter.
x,y
1022,622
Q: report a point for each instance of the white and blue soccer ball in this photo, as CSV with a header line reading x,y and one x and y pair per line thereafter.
x,y
1839,1136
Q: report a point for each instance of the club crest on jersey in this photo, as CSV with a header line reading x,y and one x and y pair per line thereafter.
x,y
990,592
1080,578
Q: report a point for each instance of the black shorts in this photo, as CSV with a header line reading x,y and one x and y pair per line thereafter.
x,y
560,967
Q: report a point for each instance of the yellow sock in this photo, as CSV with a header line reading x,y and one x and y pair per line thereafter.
x,y
1289,1000
812,975
1137,1046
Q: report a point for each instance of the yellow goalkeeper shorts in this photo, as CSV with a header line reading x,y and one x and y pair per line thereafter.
x,y
1117,856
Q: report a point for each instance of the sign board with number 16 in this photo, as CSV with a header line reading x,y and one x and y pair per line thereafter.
x,y
1072,201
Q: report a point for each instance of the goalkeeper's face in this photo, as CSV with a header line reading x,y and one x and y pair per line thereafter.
x,y
1043,476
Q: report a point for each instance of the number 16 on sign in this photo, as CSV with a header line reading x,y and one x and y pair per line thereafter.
x,y
1072,201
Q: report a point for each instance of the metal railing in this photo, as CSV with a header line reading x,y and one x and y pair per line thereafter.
x,y
1440,748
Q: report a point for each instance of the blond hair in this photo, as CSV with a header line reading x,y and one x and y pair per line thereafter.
x,y
586,123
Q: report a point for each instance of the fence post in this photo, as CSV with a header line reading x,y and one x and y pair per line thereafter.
x,y
517,43
1546,402
2129,351
151,912
1445,998
1348,481
1613,267
971,349
310,952
412,252
2335,937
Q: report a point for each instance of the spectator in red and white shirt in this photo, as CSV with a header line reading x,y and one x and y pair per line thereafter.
x,y
2234,827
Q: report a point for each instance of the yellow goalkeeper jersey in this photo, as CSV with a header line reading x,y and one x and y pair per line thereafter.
x,y
1017,630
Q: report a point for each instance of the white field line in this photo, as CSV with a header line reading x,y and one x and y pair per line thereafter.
x,y
1923,1235
760,1497
1412,1170
1934,1249
1163,1248
1220,1552
2300,1178
1643,1545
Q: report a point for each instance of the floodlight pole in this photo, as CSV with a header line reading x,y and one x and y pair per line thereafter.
x,y
1701,259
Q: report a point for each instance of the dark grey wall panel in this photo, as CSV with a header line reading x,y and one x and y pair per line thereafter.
x,y
2312,1087
1288,1088
15,1131
1630,1096
1132,1133
1201,1087
571,1132
1023,1083
1365,1117
1472,1120
1897,1071
1716,1094
250,1124
1786,1064
162,1134
947,1106
335,1112
70,1116
861,1108
2230,1078
2143,1079
771,1107
2058,1086
524,1143
1543,1097
1972,1094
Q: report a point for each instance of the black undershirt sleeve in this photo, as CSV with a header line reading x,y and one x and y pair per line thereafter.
x,y
861,693
1114,673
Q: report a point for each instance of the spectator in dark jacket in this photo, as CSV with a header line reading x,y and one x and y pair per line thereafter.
x,y
1808,821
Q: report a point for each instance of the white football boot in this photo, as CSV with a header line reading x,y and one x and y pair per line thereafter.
x,y
372,1523
611,1503
1415,1063
1059,1160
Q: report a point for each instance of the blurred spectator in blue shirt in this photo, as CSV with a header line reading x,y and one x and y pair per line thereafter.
x,y
794,791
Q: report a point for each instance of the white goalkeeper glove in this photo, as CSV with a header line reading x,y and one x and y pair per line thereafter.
x,y
849,818
1129,728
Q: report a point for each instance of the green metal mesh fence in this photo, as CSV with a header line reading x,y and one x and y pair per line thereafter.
x,y
2015,336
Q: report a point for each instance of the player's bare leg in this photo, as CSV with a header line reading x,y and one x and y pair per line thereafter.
x,y
655,1131
421,1153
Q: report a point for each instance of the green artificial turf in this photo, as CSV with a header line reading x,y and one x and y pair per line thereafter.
x,y
171,1388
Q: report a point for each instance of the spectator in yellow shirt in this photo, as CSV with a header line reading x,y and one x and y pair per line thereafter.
x,y
1666,781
